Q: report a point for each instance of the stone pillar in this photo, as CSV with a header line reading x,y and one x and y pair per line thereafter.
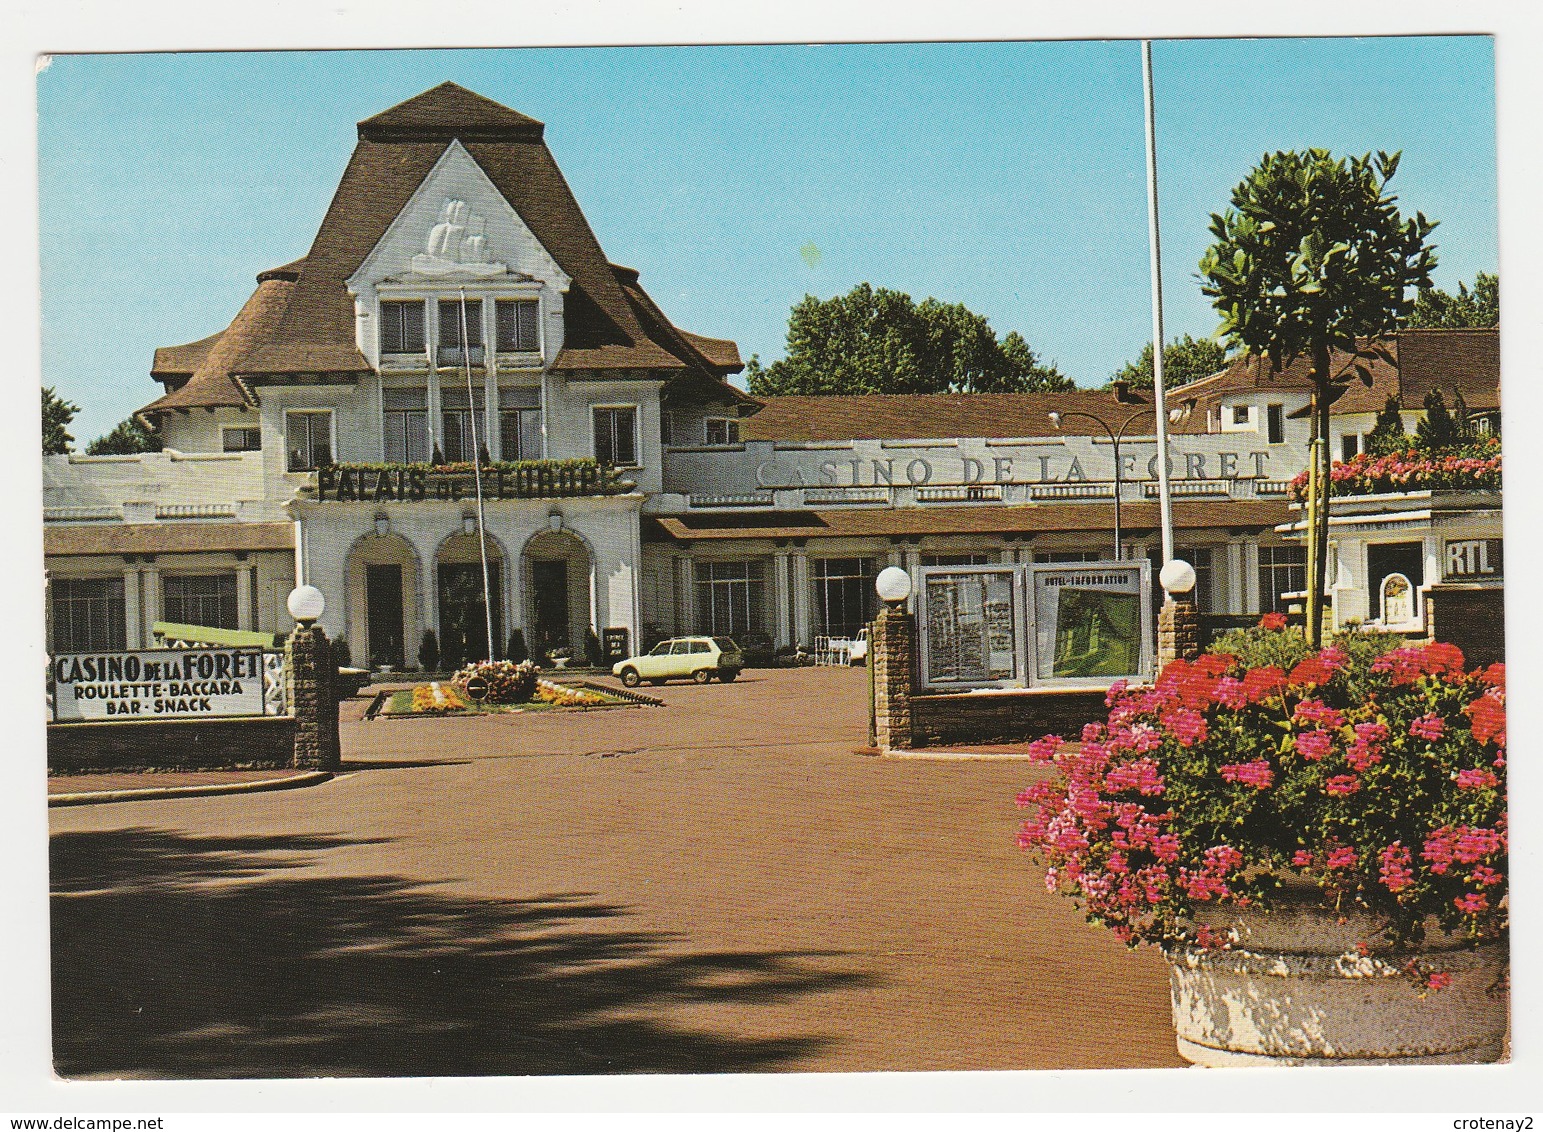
x,y
782,599
891,658
1178,631
310,692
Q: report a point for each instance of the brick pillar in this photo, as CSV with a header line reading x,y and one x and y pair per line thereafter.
x,y
891,654
1178,631
310,673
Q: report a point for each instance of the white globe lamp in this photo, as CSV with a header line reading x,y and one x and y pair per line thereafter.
x,y
306,604
893,584
1177,577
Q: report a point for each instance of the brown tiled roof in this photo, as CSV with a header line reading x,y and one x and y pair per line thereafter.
x,y
395,151
212,385
1456,361
448,111
929,416
177,363
165,538
970,519
1466,361
721,352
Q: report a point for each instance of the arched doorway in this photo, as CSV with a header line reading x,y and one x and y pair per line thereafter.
x,y
463,626
557,572
383,592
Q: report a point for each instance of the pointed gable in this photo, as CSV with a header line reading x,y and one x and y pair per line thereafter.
x,y
397,150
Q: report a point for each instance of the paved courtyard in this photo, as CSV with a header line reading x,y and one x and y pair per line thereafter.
x,y
719,884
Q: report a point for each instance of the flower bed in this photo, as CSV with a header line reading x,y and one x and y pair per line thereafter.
x,y
507,682
450,700
1377,782
436,699
1474,469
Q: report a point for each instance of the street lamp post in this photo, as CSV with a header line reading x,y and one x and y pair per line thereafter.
x,y
1115,436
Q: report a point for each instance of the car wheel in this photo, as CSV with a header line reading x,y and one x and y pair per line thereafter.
x,y
702,675
727,675
630,677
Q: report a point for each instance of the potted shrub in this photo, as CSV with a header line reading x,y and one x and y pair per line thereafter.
x,y
1319,847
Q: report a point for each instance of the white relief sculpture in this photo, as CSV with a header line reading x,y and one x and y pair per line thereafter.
x,y
457,245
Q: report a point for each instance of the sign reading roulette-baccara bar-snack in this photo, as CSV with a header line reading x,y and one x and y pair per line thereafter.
x,y
158,684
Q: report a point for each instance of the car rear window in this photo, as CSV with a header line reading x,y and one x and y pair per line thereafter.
x,y
698,646
725,645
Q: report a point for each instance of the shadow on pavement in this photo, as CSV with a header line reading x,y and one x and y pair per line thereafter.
x,y
178,956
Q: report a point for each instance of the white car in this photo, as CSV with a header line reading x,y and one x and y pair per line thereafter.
x,y
699,658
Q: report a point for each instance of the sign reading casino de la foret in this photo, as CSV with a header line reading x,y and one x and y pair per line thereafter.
x,y
158,684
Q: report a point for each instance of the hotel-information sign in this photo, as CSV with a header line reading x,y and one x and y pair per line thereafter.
x,y
1040,625
157,684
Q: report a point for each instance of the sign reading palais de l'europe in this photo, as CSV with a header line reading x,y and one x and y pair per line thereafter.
x,y
158,684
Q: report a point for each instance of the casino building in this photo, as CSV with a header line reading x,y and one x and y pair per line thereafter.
x,y
455,303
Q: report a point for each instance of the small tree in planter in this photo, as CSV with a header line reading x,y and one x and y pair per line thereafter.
x,y
428,651
1340,823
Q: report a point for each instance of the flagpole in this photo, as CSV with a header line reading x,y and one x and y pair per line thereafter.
x,y
476,463
1164,488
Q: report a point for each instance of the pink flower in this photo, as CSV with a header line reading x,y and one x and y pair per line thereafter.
x,y
1439,980
1302,858
1313,745
1342,857
1488,715
1429,726
1396,872
1256,774
1230,693
1140,775
1187,726
1472,903
1484,875
1478,779
1316,712
1342,784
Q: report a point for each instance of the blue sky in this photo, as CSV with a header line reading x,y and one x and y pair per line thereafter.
x,y
1007,176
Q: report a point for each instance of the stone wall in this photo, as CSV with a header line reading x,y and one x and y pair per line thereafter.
x,y
963,718
171,744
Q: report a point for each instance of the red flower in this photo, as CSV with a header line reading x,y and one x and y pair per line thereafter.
x,y
1263,683
1256,774
1439,980
1488,715
1342,784
1273,621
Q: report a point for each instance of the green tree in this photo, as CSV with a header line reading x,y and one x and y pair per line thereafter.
x,y
1311,257
874,340
126,438
1184,360
1475,309
57,415
1387,435
1439,430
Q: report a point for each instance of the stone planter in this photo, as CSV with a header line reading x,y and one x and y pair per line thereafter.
x,y
1294,990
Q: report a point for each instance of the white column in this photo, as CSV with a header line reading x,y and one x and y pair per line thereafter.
x,y
686,589
149,601
913,567
801,624
1235,577
781,599
133,628
1251,577
244,595
436,421
490,386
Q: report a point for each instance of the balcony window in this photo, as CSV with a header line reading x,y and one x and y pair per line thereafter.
x,y
456,348
308,439
722,430
517,325
616,436
241,439
401,326
405,426
462,420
